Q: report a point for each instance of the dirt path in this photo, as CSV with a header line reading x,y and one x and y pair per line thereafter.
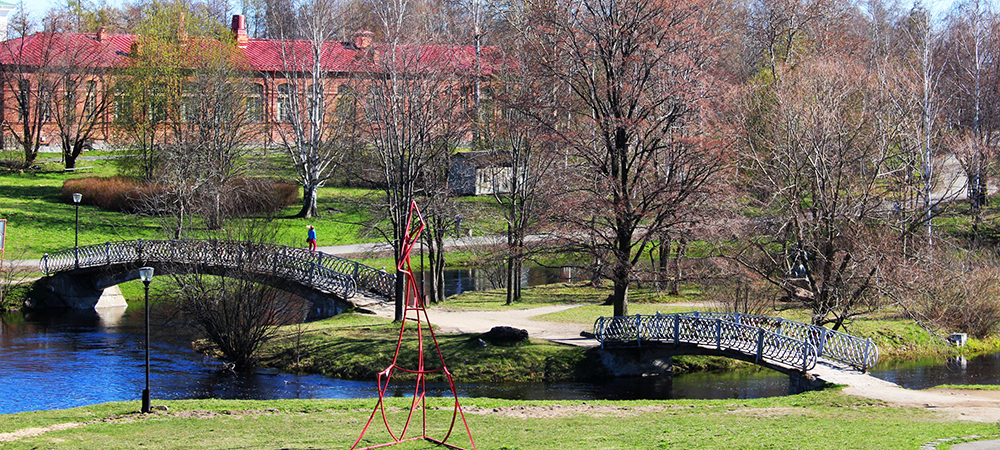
x,y
466,321
979,406
958,404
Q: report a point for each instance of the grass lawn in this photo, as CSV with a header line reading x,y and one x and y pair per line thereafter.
x,y
564,293
358,347
39,222
825,419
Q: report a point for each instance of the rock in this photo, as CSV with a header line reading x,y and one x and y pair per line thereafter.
x,y
505,335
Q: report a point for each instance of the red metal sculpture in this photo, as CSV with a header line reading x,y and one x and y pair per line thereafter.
x,y
414,303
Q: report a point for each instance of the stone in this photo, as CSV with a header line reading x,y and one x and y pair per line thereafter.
x,y
505,335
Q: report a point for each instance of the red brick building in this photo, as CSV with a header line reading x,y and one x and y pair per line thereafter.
x,y
25,62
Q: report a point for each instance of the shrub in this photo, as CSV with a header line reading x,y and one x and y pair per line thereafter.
x,y
112,193
263,196
959,297
252,195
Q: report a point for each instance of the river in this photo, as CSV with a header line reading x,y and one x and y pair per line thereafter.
x,y
51,360
75,358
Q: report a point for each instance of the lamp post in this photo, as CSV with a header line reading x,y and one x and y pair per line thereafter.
x,y
146,274
76,243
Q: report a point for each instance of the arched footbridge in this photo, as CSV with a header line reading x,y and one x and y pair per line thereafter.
x,y
784,345
315,276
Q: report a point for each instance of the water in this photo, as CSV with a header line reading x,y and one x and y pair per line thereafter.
x,y
926,373
79,358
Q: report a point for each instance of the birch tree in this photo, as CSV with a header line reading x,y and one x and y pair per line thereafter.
x,y
314,133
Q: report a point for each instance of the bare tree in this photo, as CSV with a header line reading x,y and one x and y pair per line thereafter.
x,y
317,116
83,93
525,162
234,313
923,42
29,73
821,146
637,71
211,128
440,210
971,45
412,113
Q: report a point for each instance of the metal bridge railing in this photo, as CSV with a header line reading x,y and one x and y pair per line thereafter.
x,y
862,354
771,339
316,269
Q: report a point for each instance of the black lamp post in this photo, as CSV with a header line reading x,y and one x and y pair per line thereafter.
x,y
76,243
146,274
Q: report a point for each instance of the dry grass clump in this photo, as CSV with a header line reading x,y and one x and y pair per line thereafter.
x,y
110,193
123,194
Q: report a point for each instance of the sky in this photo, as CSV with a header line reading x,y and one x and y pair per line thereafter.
x,y
37,8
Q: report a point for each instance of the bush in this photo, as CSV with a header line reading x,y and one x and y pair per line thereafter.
x,y
264,196
256,195
112,194
960,298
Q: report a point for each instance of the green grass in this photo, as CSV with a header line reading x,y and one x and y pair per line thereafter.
x,y
827,419
970,387
355,346
566,293
38,222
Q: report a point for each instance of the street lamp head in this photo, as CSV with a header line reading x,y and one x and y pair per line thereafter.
x,y
146,274
77,197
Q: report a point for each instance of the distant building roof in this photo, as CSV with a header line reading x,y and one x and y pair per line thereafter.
x,y
264,55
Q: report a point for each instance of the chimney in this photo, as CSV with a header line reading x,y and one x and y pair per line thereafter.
x,y
102,34
363,39
239,29
182,32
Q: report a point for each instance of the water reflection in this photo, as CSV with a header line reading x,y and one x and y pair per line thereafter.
x,y
930,372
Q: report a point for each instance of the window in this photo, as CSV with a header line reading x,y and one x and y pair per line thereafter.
x,y
255,103
157,102
189,103
23,98
345,101
69,105
123,105
45,104
90,100
283,109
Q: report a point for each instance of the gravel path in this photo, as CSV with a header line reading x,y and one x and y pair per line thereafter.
x,y
979,406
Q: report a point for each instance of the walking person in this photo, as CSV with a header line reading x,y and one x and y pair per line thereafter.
x,y
311,238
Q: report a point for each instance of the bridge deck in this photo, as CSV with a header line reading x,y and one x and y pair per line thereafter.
x,y
770,339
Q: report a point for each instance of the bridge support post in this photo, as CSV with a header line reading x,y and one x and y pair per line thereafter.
x,y
802,382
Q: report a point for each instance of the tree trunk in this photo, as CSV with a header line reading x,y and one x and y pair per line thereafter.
x,y
675,283
399,287
439,267
511,280
661,264
68,157
309,195
621,293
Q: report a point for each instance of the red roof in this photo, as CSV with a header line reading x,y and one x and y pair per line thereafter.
x,y
82,49
265,55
